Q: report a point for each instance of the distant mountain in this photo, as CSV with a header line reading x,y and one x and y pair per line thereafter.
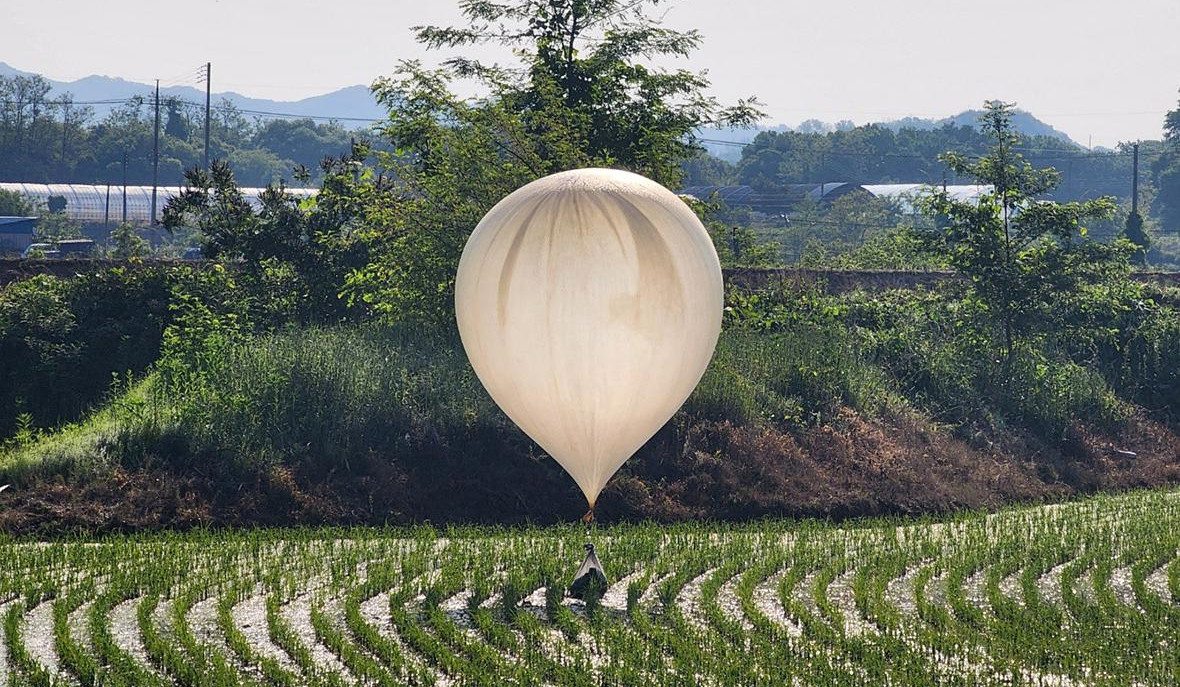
x,y
1024,123
356,102
353,102
727,143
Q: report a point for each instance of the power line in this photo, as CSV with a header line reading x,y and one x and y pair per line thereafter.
x,y
1040,153
270,113
306,116
187,78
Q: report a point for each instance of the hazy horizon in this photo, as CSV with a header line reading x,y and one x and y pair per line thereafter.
x,y
1098,72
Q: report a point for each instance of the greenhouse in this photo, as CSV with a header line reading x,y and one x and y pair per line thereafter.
x,y
92,204
905,195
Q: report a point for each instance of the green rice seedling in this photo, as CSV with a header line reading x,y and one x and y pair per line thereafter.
x,y
1075,593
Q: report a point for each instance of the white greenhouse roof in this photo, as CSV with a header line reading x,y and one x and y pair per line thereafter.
x,y
907,193
89,203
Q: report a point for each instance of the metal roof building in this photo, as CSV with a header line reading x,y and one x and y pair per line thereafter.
x,y
16,233
91,204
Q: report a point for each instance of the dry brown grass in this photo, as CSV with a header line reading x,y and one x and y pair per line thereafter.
x,y
851,466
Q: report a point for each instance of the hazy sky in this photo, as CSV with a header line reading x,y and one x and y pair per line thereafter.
x,y
1106,71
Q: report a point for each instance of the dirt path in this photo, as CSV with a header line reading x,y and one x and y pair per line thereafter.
x,y
124,629
250,618
37,634
297,613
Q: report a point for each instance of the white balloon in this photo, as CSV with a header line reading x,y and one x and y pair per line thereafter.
x,y
589,303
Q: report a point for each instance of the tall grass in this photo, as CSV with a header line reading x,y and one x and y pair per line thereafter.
x,y
796,376
329,394
130,427
335,395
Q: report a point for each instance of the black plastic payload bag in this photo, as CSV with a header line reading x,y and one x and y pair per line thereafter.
x,y
588,575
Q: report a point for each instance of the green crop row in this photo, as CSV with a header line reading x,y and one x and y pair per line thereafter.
x,y
1083,593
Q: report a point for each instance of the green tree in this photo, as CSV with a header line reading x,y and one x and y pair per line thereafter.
x,y
1020,255
302,140
126,243
705,170
876,154
1135,232
57,225
582,86
176,125
13,204
56,204
848,222
294,254
1167,175
581,95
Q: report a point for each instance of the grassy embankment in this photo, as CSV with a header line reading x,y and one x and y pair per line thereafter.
x,y
814,405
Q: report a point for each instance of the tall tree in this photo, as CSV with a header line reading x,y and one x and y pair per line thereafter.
x,y
177,123
581,94
1136,233
1019,253
1167,175
583,89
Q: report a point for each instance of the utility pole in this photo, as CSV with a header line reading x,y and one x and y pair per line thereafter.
x,y
208,91
1135,180
65,123
156,153
124,185
106,213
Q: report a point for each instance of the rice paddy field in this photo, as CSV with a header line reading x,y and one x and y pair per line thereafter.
x,y
1083,593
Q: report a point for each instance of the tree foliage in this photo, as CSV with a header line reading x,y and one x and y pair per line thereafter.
x,y
583,90
13,204
295,253
1134,231
1167,175
49,139
63,339
126,243
581,94
877,154
1021,255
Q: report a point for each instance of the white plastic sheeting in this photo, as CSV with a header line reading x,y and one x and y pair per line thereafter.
x,y
906,194
589,303
91,203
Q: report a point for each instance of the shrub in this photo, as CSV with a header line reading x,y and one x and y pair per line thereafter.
x,y
329,395
62,340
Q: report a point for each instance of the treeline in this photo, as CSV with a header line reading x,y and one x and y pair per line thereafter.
x,y
876,154
46,139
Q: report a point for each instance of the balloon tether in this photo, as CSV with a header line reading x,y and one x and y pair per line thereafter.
x,y
587,519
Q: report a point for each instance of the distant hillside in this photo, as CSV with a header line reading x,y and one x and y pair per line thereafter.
x,y
725,143
357,103
1024,122
353,102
